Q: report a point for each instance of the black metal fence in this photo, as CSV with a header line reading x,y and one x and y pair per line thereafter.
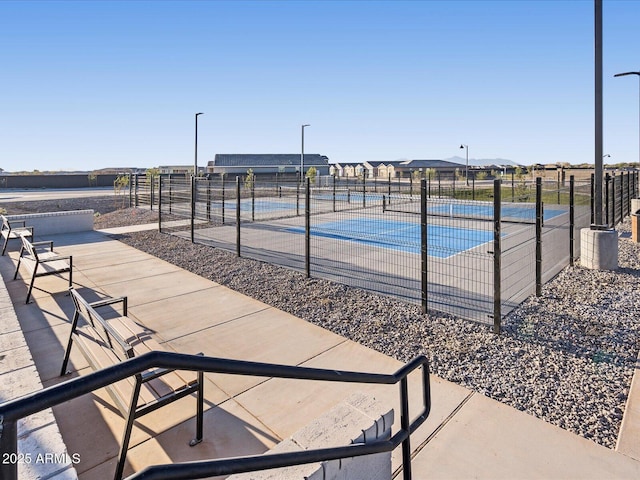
x,y
474,252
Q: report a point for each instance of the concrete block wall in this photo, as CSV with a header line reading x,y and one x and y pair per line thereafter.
x,y
358,419
51,223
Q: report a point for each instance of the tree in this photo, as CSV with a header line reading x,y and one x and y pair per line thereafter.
x,y
311,175
249,180
430,173
151,172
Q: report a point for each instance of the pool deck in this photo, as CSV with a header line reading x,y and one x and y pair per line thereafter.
x,y
467,435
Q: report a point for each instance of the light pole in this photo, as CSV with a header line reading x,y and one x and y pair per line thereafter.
x,y
638,74
302,154
466,171
195,164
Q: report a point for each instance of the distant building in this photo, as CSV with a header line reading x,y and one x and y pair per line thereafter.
x,y
394,169
117,170
284,164
179,169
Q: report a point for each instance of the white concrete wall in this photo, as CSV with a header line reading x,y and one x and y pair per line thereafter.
x,y
51,223
599,249
358,419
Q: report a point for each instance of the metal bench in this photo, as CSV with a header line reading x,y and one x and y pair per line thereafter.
x,y
106,342
42,263
14,229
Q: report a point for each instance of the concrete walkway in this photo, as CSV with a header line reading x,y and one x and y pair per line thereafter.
x,y
467,435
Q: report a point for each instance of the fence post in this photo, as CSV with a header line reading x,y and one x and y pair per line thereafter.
x,y
223,195
622,193
513,186
208,200
137,200
538,236
253,199
8,449
364,190
297,199
473,187
572,218
628,202
152,181
170,193
334,193
130,190
238,216
307,227
607,183
160,204
592,186
423,242
389,192
497,287
193,204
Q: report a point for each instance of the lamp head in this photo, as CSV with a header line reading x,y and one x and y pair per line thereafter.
x,y
626,73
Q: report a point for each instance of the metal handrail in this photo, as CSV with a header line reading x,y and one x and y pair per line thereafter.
x,y
13,410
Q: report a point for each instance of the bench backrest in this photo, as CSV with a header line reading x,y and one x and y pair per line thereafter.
x,y
105,336
6,225
29,248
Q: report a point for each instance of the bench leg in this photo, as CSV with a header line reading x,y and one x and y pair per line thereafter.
x,y
70,272
200,412
33,279
127,431
67,353
4,247
15,275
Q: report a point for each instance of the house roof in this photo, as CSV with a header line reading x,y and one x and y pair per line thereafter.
x,y
395,163
267,160
431,164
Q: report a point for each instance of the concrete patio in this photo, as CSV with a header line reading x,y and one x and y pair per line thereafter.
x,y
466,435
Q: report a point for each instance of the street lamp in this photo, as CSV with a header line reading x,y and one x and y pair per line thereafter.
x,y
195,164
638,74
302,154
466,171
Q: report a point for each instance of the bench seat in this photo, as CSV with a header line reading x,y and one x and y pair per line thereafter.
x,y
13,230
108,341
41,262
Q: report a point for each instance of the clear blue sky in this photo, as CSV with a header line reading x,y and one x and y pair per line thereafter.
x,y
93,84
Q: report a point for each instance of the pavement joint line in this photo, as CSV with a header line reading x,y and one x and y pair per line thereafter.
x,y
344,340
31,365
56,473
25,433
210,326
133,305
420,447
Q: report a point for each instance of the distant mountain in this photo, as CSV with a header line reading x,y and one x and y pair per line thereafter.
x,y
484,162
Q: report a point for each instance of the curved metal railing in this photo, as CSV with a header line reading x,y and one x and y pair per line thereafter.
x,y
13,410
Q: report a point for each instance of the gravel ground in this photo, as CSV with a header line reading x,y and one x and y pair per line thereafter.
x,y
566,357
